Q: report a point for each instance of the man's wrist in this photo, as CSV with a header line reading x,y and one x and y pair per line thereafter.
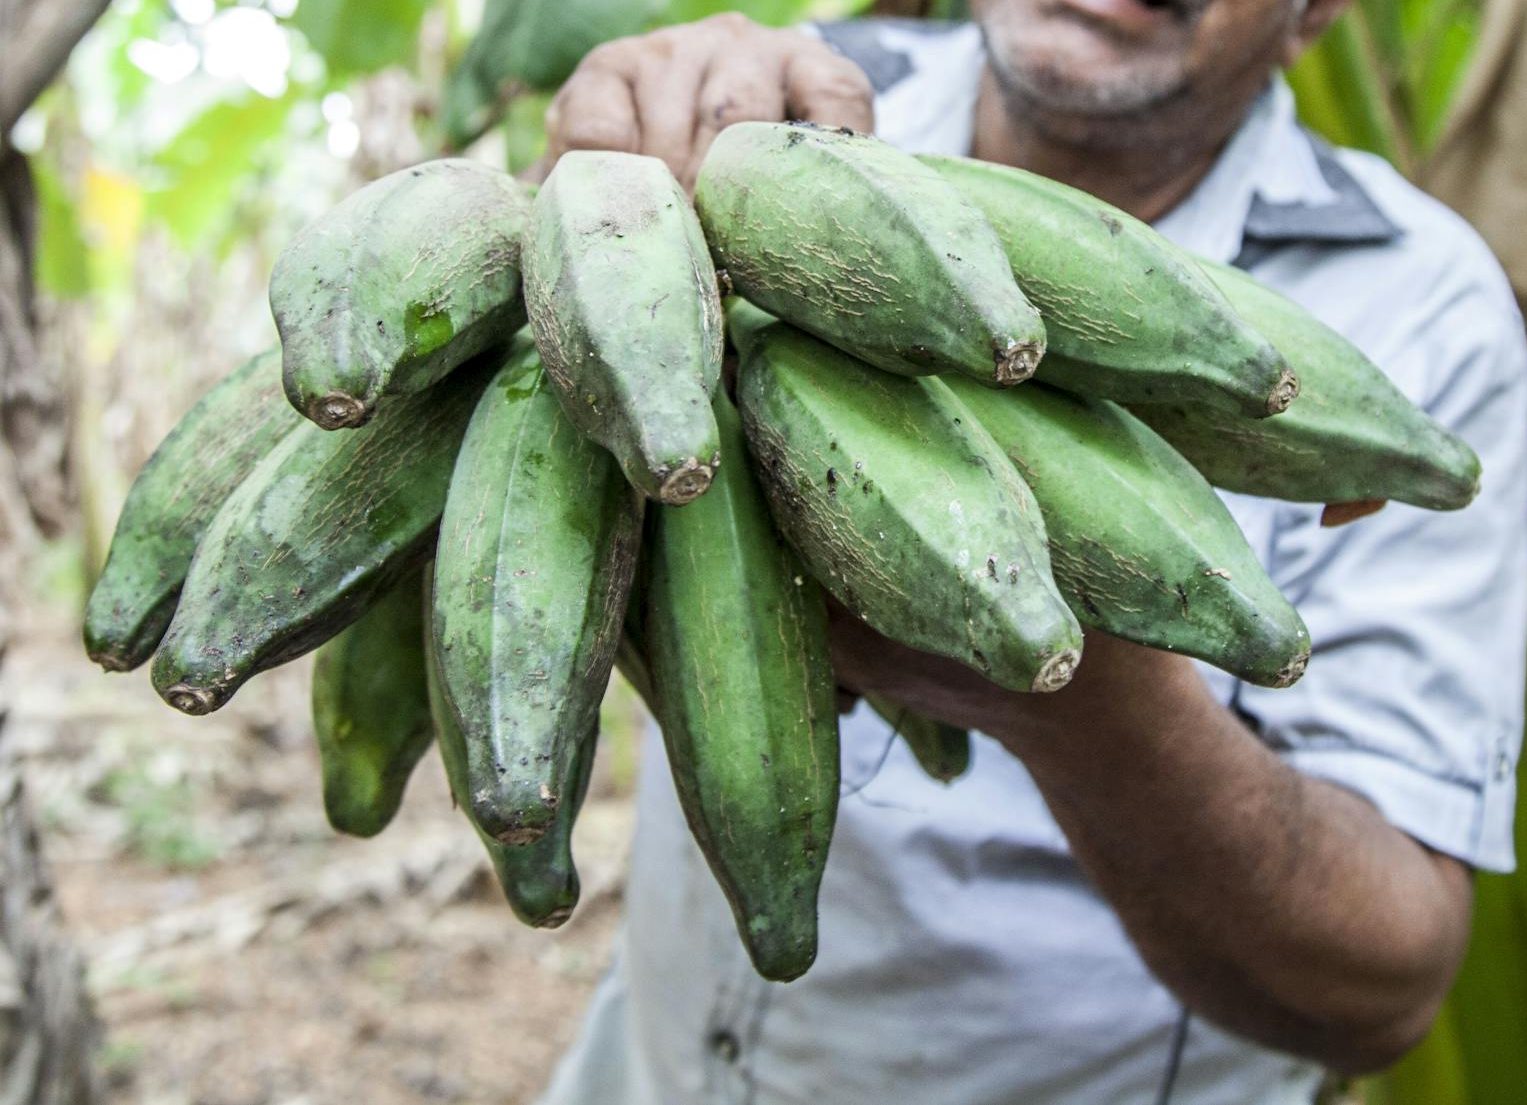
x,y
1122,694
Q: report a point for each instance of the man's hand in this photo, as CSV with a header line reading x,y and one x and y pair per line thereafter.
x,y
1283,907
1113,675
669,93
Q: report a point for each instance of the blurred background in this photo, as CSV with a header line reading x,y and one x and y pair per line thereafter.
x,y
177,922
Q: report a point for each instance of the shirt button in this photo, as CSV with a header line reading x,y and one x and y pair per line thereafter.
x,y
724,1044
1502,766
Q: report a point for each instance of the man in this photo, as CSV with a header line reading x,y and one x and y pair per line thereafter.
x,y
1158,884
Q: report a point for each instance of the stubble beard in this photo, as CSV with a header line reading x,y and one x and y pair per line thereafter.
x,y
1053,92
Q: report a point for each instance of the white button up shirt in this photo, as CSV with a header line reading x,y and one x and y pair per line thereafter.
x,y
964,957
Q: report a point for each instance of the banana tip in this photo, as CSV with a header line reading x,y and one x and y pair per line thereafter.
x,y
337,411
556,918
107,660
1291,672
1284,392
686,483
192,700
1018,361
1057,670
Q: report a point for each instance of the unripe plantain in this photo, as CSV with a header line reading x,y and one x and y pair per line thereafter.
x,y
942,750
171,503
371,711
539,879
736,647
1129,314
857,242
537,549
905,509
1352,436
1141,545
321,527
627,316
398,285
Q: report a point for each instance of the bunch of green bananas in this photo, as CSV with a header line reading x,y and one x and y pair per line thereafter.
x,y
478,519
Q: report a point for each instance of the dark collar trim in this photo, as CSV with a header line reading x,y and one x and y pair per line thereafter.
x,y
859,41
1354,217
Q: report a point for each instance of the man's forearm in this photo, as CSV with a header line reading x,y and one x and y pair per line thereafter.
x,y
1282,907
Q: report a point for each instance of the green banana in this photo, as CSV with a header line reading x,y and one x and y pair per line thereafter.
x,y
371,711
1352,436
398,285
905,509
320,528
737,646
1141,545
539,880
943,751
623,302
631,653
537,550
1129,315
857,242
207,454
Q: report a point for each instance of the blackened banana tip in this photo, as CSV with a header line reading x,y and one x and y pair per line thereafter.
x,y
337,411
1284,392
686,483
1057,671
195,701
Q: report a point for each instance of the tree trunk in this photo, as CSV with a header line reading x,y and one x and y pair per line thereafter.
x,y
48,1032
36,37
33,421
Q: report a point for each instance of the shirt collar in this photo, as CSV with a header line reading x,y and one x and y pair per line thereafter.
x,y
1274,183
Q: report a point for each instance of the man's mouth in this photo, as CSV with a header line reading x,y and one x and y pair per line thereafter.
x,y
1138,16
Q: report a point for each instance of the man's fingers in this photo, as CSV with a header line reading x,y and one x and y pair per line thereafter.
x,y
667,91
594,111
821,87
742,90
668,94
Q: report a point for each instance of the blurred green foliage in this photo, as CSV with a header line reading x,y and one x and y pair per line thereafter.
x,y
361,36
1386,73
1477,1051
62,258
215,156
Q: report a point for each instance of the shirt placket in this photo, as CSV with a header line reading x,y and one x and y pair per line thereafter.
x,y
733,1032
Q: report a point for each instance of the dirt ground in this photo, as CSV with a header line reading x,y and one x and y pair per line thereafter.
x,y
242,953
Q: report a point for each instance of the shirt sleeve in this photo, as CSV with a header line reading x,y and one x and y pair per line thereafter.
x,y
1414,693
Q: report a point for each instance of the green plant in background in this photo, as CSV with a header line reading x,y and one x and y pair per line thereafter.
x,y
1477,1051
1385,75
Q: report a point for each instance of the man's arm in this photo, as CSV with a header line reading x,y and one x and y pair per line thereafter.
x,y
1279,906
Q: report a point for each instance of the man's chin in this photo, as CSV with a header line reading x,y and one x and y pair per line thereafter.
x,y
1053,85
1092,57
